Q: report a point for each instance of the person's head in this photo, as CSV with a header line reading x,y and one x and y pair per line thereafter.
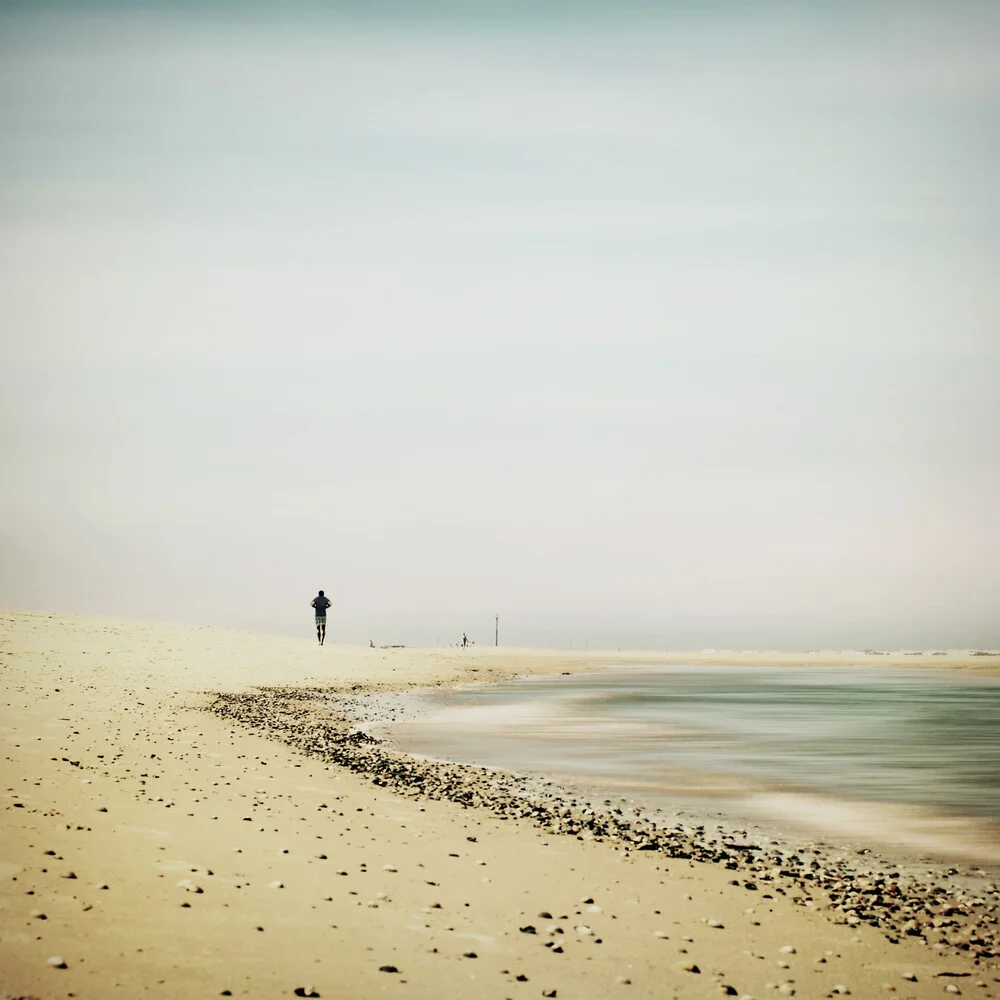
x,y
321,593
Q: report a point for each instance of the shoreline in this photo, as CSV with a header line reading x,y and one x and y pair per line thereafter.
x,y
153,846
299,717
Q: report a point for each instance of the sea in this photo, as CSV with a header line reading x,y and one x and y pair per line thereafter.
x,y
906,760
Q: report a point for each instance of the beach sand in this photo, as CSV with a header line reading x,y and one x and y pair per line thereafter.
x,y
151,846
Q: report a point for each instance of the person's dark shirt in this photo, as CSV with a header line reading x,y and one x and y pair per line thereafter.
x,y
321,604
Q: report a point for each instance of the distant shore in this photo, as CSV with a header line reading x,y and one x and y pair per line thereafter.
x,y
269,847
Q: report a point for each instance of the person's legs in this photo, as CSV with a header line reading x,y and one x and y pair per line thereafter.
x,y
320,629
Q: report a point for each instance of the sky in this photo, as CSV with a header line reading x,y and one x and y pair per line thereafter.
x,y
671,325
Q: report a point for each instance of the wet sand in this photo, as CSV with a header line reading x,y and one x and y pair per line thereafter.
x,y
183,815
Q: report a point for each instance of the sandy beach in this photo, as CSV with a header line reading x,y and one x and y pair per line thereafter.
x,y
184,816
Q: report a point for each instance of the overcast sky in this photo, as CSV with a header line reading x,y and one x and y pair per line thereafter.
x,y
672,325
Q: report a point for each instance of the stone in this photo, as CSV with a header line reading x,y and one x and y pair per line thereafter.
x,y
56,961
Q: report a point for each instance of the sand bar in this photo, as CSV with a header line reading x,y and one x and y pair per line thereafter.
x,y
152,846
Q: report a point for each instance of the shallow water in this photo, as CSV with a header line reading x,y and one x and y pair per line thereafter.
x,y
910,757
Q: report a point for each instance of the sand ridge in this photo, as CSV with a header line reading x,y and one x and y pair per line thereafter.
x,y
152,846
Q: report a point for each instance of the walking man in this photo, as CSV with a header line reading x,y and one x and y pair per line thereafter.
x,y
321,602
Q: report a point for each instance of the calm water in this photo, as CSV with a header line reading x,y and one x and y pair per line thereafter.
x,y
927,741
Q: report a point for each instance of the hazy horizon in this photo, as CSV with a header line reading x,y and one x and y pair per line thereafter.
x,y
665,326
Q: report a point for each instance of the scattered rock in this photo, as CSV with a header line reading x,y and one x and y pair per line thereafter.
x,y
387,968
56,961
686,967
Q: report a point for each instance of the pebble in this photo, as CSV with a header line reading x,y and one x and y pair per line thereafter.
x,y
387,968
787,950
56,962
952,988
661,934
389,868
716,923
840,988
911,976
305,991
188,886
584,929
686,967
276,884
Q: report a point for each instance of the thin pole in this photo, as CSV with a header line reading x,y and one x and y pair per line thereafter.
x,y
496,632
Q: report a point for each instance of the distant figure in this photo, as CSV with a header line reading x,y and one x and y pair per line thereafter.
x,y
465,641
371,645
321,602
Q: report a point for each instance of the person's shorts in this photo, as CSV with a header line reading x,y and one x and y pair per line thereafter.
x,y
321,619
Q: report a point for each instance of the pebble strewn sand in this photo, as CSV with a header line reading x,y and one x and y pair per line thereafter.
x,y
150,847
